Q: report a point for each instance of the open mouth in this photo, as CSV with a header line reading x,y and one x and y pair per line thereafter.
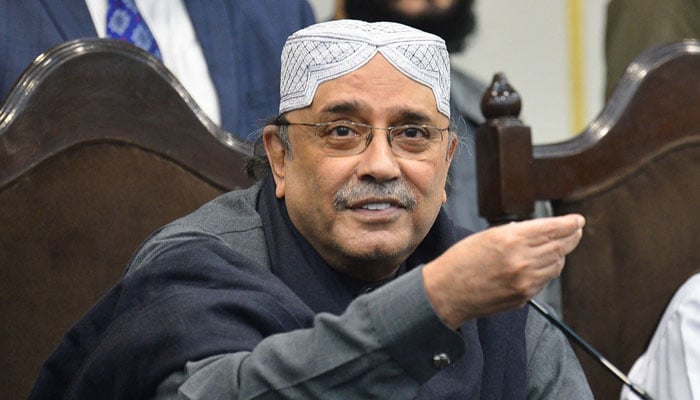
x,y
376,206
371,196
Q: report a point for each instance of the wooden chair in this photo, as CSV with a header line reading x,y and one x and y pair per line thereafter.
x,y
634,173
99,146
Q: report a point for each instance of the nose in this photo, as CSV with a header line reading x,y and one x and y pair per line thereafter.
x,y
377,161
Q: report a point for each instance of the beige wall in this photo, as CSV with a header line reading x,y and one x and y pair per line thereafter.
x,y
531,42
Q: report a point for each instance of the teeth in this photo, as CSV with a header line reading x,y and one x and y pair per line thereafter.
x,y
376,206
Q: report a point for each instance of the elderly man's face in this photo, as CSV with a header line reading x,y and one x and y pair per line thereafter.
x,y
360,236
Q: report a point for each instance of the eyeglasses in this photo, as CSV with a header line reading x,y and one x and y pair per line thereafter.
x,y
346,138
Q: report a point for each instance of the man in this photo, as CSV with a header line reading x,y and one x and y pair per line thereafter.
x,y
454,21
225,53
337,276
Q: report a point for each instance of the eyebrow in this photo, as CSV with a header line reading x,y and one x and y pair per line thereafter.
x,y
346,107
355,108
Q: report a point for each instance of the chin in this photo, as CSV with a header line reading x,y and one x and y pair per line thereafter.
x,y
374,261
370,246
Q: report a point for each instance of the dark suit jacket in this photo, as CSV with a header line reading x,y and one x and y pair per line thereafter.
x,y
242,41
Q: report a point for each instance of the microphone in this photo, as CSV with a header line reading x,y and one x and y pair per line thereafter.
x,y
590,350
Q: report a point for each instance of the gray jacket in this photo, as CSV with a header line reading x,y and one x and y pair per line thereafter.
x,y
391,357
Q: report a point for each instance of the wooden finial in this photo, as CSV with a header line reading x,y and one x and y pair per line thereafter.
x,y
500,100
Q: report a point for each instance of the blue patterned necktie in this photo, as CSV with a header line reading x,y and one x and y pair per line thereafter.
x,y
124,22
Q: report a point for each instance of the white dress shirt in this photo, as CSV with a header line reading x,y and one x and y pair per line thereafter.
x,y
670,367
172,28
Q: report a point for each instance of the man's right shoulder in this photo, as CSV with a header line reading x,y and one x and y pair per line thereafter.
x,y
231,218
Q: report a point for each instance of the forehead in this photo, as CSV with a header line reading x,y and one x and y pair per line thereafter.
x,y
376,90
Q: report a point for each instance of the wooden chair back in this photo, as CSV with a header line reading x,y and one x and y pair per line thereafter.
x,y
99,146
634,173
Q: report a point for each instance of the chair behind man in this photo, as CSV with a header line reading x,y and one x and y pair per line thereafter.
x,y
99,146
634,173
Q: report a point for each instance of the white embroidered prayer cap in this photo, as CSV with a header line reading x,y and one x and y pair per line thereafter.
x,y
329,50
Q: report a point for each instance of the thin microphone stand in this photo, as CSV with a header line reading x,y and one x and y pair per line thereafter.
x,y
590,350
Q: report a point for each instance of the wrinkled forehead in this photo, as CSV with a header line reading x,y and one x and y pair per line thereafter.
x,y
329,50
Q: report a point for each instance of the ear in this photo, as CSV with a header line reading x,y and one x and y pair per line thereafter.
x,y
451,149
276,155
452,146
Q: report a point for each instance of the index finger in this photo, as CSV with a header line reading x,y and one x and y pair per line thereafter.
x,y
542,230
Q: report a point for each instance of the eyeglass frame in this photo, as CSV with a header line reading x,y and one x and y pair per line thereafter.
x,y
369,135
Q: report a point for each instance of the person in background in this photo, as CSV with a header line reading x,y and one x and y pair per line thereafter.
x,y
633,26
225,53
670,367
338,275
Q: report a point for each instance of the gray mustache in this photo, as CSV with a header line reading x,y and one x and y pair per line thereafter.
x,y
397,190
